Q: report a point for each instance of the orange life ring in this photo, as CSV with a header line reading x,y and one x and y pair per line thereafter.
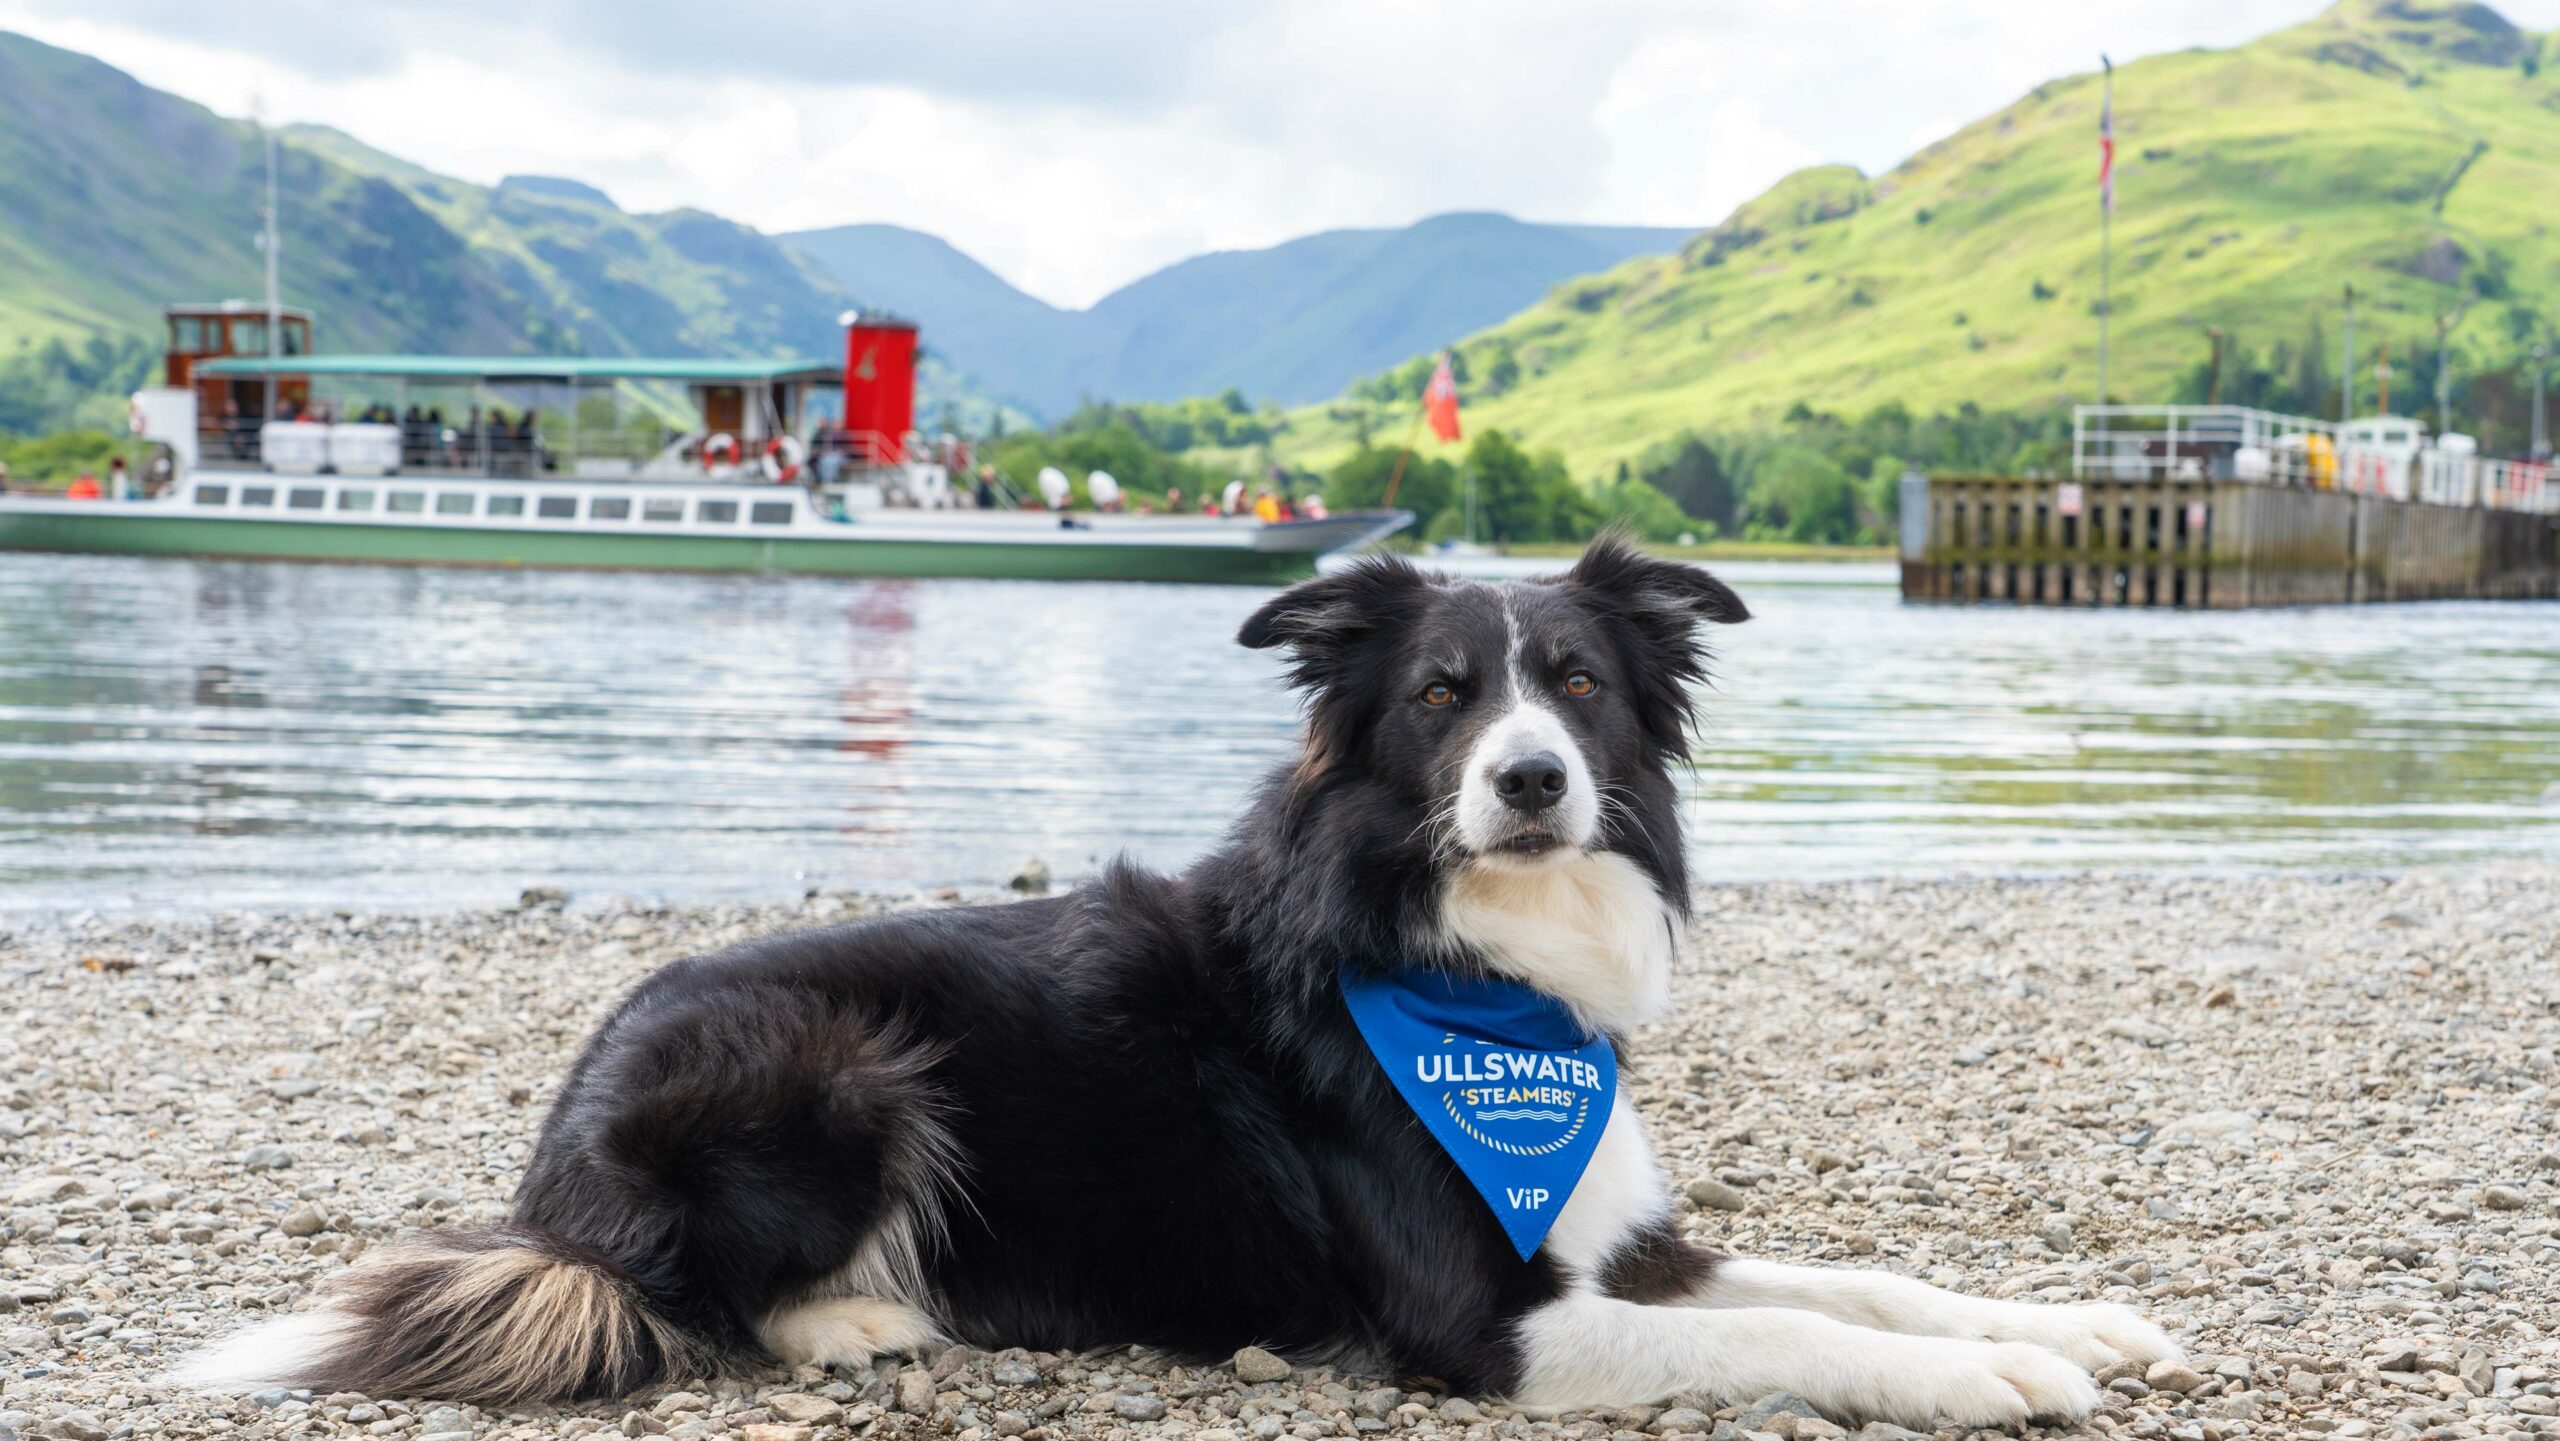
x,y
718,450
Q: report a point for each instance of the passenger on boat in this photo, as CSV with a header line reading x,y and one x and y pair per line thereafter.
x,y
4,477
1173,500
118,477
1266,506
985,495
83,487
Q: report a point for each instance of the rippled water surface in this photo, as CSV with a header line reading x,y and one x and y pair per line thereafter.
x,y
183,735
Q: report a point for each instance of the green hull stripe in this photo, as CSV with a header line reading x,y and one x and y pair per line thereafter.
x,y
429,545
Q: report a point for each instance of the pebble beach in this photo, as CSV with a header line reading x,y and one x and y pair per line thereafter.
x,y
2307,1122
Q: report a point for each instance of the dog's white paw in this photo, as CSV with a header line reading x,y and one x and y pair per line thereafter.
x,y
1984,1383
2095,1336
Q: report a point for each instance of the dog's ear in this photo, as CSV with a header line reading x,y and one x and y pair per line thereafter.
x,y
1321,620
1659,594
1656,607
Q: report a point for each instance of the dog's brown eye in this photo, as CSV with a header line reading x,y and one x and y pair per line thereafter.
x,y
1580,683
1437,694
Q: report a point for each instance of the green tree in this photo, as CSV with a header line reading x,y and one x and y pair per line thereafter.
x,y
1801,494
1359,482
1696,482
1634,503
1520,497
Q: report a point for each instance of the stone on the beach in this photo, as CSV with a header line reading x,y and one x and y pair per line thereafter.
x,y
268,1157
2504,1198
2134,1028
1253,1364
1758,1415
1032,879
915,1391
45,1190
2206,1126
774,1431
538,898
1012,1371
1710,1194
1138,1407
804,1408
304,1220
2172,1376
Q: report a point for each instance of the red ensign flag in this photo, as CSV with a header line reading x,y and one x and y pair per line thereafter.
x,y
1440,401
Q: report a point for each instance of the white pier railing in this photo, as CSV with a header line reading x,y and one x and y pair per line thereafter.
x,y
2377,455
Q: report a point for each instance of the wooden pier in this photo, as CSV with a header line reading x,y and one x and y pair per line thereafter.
x,y
2171,536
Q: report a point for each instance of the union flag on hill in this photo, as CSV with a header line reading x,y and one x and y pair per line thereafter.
x,y
1440,401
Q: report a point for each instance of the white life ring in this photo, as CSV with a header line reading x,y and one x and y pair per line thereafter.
x,y
783,457
720,451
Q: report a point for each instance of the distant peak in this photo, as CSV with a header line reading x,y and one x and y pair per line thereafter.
x,y
2382,35
553,187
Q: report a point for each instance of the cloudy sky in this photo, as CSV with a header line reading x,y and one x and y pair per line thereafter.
x,y
1074,147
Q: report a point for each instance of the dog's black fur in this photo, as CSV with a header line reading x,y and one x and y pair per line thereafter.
x,y
1139,1112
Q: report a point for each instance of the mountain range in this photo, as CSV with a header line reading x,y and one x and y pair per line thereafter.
x,y
116,198
1293,323
2407,148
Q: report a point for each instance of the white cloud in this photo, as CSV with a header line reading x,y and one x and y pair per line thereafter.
x,y
1074,148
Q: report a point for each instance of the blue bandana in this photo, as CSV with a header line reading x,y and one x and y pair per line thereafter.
x,y
1505,1079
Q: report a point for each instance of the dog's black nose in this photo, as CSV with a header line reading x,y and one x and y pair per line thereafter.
x,y
1532,783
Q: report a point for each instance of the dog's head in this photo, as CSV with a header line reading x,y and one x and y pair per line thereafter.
x,y
1501,728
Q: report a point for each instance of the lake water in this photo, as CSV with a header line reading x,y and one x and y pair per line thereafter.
x,y
188,735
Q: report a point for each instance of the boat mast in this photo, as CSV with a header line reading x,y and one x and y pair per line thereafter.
x,y
268,243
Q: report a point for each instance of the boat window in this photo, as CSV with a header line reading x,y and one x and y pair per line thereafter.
x,y
609,507
355,500
506,505
257,495
453,502
305,497
662,510
717,512
213,495
406,502
557,507
770,512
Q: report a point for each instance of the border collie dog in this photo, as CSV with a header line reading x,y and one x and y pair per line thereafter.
x,y
1143,1112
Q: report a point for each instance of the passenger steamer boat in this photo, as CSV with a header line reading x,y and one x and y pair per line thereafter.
x,y
790,466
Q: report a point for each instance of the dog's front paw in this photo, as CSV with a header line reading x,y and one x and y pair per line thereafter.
x,y
1986,1383
2096,1335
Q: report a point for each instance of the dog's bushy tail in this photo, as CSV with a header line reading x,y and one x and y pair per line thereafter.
x,y
493,1317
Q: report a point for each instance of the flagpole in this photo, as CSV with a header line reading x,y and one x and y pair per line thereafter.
x,y
1412,433
2106,215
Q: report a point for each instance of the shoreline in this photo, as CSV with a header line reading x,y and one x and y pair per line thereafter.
x,y
2300,1118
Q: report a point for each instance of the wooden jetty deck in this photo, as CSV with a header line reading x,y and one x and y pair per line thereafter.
x,y
2154,525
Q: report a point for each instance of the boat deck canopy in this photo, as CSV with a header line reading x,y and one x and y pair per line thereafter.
x,y
569,369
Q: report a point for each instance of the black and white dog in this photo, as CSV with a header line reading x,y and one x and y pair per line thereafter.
x,y
1140,1113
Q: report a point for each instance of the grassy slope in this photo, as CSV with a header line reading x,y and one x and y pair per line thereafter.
x,y
2252,184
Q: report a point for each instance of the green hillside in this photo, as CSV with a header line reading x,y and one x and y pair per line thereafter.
x,y
116,199
2411,150
1292,322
